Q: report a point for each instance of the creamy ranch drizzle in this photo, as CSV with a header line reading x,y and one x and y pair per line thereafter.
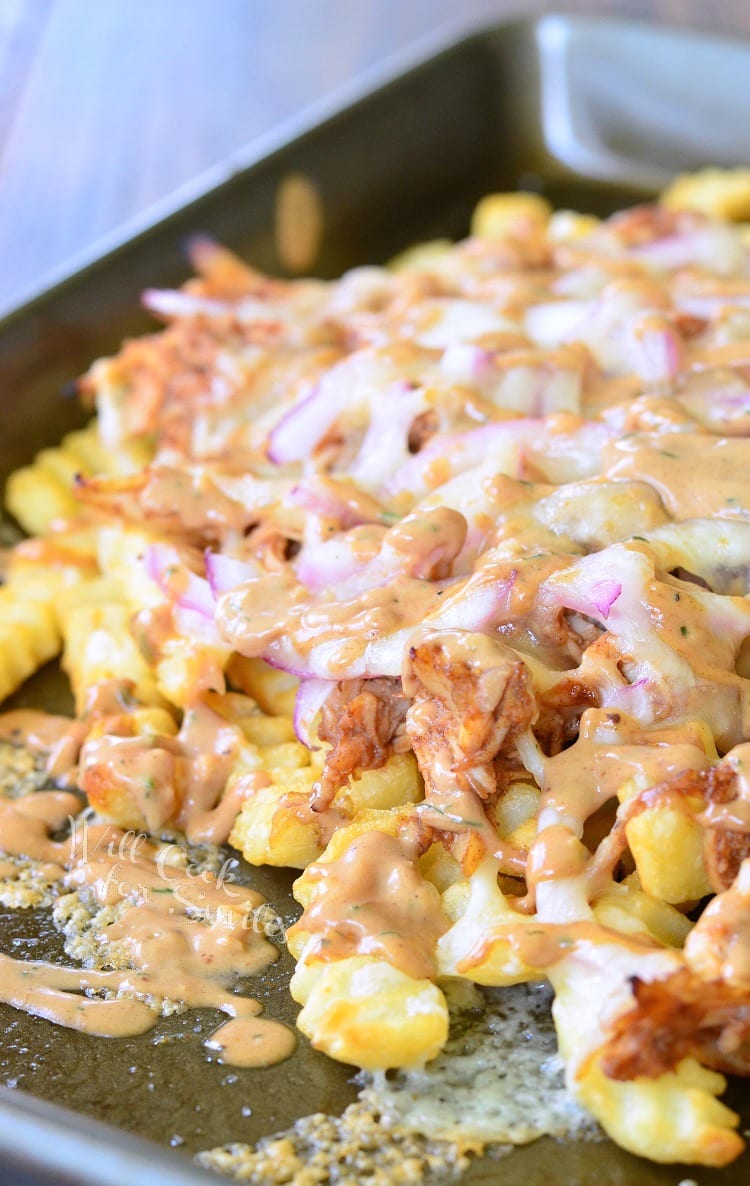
x,y
179,778
374,901
187,936
695,476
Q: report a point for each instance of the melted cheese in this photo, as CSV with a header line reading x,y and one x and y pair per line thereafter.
x,y
498,1081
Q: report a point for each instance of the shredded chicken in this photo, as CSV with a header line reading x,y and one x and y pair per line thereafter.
x,y
363,721
472,696
681,1016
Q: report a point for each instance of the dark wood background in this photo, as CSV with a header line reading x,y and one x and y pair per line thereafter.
x,y
108,106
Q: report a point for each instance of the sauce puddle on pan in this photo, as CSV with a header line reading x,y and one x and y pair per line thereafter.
x,y
158,927
498,1080
136,933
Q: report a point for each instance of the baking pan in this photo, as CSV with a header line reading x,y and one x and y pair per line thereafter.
x,y
594,113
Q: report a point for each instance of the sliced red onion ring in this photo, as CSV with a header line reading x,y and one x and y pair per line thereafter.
x,y
285,658
352,385
300,429
708,305
566,456
723,409
550,323
323,564
169,304
380,657
636,699
667,253
473,605
582,589
595,600
464,451
311,696
225,572
321,497
604,594
469,365
386,443
416,546
657,353
197,626
712,246
165,566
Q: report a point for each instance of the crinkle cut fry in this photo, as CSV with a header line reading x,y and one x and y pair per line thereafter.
x,y
365,946
43,494
724,849
671,1116
29,637
675,1117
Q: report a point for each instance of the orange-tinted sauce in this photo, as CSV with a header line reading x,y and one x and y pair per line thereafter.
x,y
186,933
374,901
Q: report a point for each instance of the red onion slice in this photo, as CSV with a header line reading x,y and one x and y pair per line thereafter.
x,y
561,456
353,385
723,409
187,590
285,658
420,545
471,366
592,598
474,605
550,323
323,564
386,443
589,587
462,450
299,430
324,661
712,246
197,627
657,352
170,303
330,498
311,696
708,305
226,573
604,594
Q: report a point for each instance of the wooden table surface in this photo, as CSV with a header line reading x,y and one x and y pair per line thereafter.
x,y
107,106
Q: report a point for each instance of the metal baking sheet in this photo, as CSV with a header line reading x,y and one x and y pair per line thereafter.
x,y
593,113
